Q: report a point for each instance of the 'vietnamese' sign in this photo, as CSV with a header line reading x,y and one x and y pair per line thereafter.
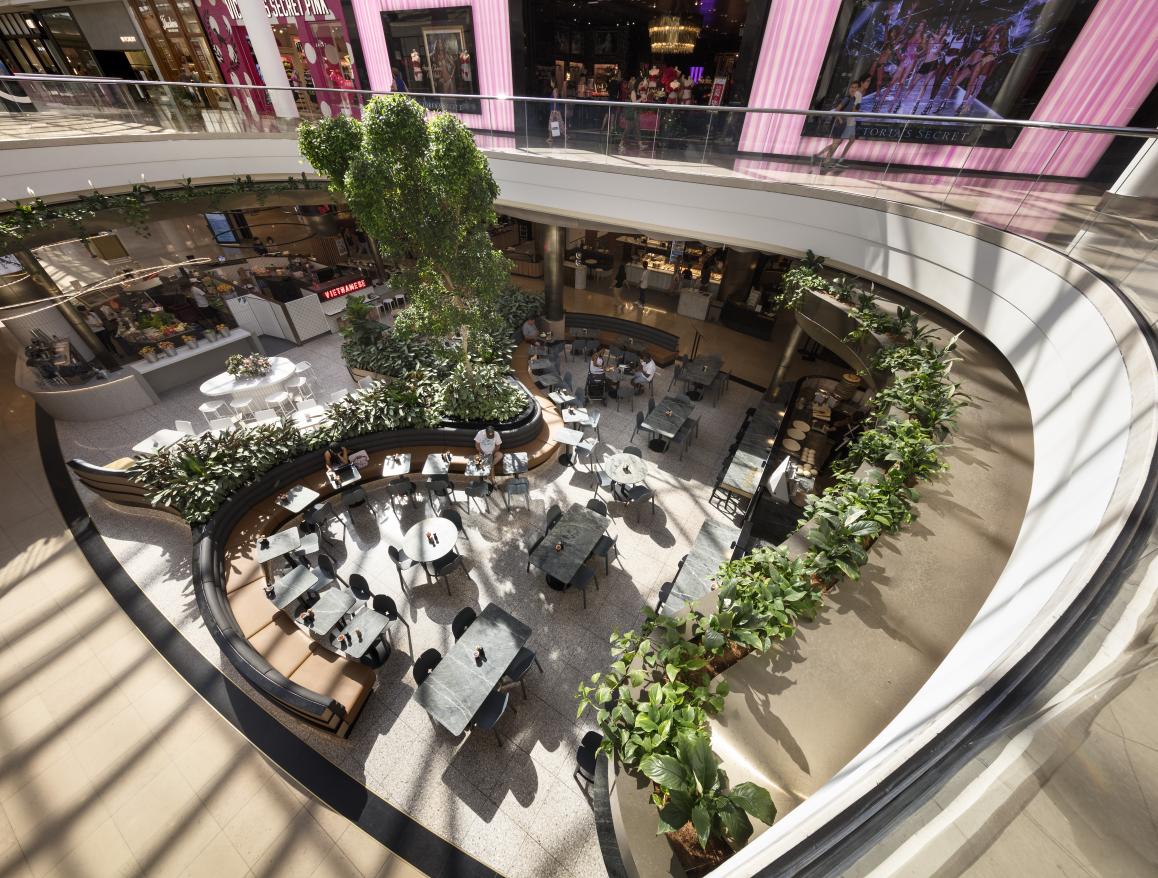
x,y
343,289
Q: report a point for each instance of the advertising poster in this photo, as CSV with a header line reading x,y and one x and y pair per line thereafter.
x,y
985,59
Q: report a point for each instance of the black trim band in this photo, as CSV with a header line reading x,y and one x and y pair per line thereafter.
x,y
378,818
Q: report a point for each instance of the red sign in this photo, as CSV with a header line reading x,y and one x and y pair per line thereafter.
x,y
343,289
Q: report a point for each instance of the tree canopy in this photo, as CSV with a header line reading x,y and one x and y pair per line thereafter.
x,y
420,187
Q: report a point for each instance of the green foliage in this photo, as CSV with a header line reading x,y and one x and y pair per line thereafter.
x,y
133,207
695,789
196,475
479,394
424,191
839,532
907,445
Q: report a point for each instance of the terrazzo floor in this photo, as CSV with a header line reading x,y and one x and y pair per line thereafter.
x,y
516,808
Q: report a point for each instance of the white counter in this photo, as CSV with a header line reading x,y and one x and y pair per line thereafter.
x,y
694,304
297,320
187,365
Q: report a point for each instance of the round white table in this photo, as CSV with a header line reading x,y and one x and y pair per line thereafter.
x,y
258,389
415,545
625,469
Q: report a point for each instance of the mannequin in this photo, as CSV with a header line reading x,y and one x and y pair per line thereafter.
x,y
415,66
464,66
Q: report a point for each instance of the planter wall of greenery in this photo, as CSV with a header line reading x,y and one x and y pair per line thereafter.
x,y
654,703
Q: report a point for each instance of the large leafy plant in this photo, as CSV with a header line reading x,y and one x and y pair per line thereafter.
x,y
480,394
693,788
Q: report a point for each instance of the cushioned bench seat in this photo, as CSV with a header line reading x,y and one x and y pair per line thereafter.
x,y
662,345
251,608
283,644
346,682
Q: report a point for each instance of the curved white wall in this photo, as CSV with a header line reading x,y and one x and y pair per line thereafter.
x,y
1088,375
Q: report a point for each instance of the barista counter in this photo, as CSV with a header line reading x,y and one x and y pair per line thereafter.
x,y
295,319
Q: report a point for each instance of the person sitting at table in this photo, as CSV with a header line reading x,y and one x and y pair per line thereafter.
x,y
335,455
598,358
486,443
644,373
530,330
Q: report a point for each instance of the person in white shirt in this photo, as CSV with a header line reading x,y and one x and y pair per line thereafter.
x,y
530,329
644,281
645,374
487,442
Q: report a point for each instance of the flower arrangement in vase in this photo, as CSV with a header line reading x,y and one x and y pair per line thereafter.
x,y
168,348
248,365
149,353
190,341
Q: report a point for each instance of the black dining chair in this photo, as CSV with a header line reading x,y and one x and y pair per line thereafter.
x,y
513,488
597,505
603,549
462,621
316,518
583,577
600,479
401,487
639,419
353,497
328,568
553,515
478,490
402,562
638,495
631,449
586,755
377,654
454,518
446,565
439,486
532,545
491,712
426,663
384,604
517,670
359,586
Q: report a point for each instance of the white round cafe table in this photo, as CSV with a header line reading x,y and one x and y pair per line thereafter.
x,y
414,542
625,469
257,389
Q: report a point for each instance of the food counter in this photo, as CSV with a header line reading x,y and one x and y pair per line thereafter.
x,y
694,304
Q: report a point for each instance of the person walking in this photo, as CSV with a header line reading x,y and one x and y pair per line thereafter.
x,y
644,282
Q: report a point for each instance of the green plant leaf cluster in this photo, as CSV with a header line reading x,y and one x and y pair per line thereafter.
x,y
694,788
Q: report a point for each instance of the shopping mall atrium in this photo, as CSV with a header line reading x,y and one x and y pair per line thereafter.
x,y
578,438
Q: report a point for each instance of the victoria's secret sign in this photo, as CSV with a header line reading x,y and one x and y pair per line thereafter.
x,y
343,289
277,9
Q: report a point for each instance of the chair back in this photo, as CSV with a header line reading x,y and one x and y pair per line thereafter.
x,y
639,418
553,515
426,663
401,486
395,555
631,449
327,566
462,621
220,423
358,584
517,486
596,505
384,604
185,427
453,517
650,406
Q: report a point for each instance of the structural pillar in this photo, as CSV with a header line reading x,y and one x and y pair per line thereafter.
x,y
268,57
739,273
554,243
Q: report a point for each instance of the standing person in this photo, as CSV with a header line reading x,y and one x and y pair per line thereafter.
x,y
555,123
486,443
201,300
843,128
644,281
94,322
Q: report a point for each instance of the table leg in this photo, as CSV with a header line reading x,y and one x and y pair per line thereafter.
x,y
658,445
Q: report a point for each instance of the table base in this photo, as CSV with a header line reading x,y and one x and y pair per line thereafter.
x,y
695,394
658,445
556,584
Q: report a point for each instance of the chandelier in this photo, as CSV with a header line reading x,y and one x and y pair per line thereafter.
x,y
673,34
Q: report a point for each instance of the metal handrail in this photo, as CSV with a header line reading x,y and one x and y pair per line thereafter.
x,y
693,108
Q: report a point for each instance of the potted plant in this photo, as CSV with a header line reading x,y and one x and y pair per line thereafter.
x,y
167,348
149,353
190,341
704,817
223,330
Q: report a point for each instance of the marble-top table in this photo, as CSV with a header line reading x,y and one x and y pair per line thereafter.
x,y
224,384
329,610
625,469
158,441
416,546
458,686
701,370
579,529
369,623
276,545
298,499
290,586
436,465
661,423
395,464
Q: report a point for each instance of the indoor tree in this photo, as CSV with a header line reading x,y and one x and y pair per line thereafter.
x,y
421,188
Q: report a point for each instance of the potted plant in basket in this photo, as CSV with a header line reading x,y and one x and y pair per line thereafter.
x,y
149,353
168,348
190,341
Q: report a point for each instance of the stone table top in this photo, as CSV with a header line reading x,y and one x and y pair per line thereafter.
x,y
370,622
331,607
625,469
435,464
578,529
278,544
661,423
395,465
291,585
701,370
415,545
712,546
456,689
298,499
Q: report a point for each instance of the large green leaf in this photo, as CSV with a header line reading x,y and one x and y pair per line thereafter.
x,y
667,771
736,824
702,821
695,752
755,800
676,812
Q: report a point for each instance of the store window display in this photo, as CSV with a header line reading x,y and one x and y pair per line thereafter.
x,y
433,49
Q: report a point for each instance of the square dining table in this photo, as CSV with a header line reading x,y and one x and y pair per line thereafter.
x,y
701,371
368,623
395,464
298,499
666,425
436,465
458,686
159,441
291,585
578,530
334,603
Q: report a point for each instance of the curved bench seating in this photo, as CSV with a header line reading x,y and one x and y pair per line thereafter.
x,y
111,482
663,346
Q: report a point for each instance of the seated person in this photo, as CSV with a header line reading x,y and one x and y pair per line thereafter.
x,y
487,442
335,455
530,330
598,359
644,372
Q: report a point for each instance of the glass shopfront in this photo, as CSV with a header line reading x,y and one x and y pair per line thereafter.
x,y
432,51
178,43
313,42
29,43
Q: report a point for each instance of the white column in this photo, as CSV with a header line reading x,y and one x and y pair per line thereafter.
x,y
268,57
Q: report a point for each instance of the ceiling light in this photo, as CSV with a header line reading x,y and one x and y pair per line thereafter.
x,y
673,34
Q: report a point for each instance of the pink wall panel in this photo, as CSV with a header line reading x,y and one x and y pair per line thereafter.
x,y
1106,75
492,44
